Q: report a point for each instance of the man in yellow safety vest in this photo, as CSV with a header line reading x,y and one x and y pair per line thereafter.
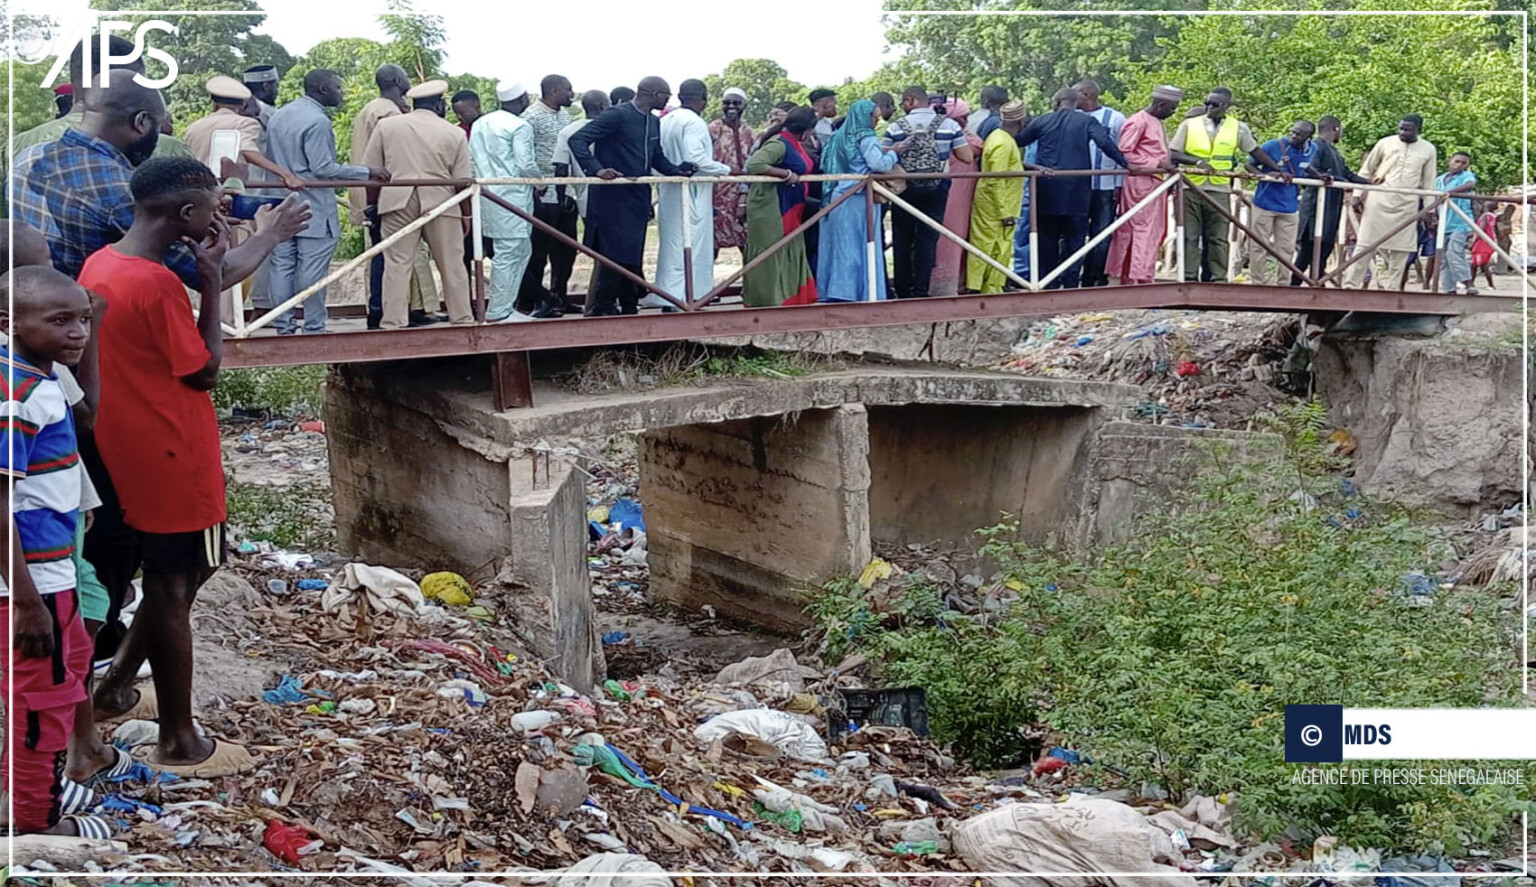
x,y
1215,142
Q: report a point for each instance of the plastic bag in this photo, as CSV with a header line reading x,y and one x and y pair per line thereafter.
x,y
792,737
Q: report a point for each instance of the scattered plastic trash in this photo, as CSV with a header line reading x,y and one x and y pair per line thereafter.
x,y
814,815
277,586
1418,584
924,792
626,514
383,589
615,637
1071,757
289,560
468,690
790,820
289,690
910,849
311,585
791,736
449,588
289,842
614,762
530,721
1161,328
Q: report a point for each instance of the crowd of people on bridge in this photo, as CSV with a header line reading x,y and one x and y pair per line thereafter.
x,y
117,471
946,235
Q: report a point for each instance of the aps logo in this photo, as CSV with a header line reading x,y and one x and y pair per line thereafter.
x,y
102,31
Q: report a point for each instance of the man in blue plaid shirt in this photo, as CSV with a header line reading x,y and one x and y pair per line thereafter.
x,y
75,190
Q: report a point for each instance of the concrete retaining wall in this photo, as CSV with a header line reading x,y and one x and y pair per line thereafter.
x,y
1134,467
939,472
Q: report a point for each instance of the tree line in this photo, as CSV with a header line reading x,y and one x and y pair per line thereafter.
x,y
1462,72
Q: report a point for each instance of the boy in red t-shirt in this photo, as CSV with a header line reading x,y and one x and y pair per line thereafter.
x,y
159,439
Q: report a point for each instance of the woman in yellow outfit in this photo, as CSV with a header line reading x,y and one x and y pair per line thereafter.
x,y
995,208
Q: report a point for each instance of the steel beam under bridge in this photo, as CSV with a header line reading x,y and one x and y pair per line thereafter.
x,y
585,332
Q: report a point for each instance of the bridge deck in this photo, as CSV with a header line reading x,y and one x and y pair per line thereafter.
x,y
358,345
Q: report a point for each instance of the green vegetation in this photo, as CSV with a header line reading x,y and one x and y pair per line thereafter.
x,y
297,516
1172,656
687,364
286,390
1461,72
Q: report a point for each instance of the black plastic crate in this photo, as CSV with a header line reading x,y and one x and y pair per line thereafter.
x,y
897,707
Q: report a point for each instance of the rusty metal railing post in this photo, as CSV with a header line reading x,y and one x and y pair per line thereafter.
x,y
1034,233
872,237
1317,235
477,252
1178,218
687,200
1434,285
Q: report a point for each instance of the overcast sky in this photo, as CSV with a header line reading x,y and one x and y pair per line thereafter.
x,y
599,43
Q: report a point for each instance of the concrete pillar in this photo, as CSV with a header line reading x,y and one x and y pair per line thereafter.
x,y
555,615
744,515
410,494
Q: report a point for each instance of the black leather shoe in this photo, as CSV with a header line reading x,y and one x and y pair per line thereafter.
x,y
422,318
374,320
547,308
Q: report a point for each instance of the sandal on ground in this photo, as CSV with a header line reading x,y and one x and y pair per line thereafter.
x,y
75,798
122,765
94,828
228,759
145,708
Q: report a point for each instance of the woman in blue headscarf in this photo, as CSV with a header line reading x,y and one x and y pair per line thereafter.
x,y
842,268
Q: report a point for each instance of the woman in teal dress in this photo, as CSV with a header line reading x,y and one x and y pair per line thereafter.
x,y
842,274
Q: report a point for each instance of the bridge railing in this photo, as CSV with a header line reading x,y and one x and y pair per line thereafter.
x,y
870,188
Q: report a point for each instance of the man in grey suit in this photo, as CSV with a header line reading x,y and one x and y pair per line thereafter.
x,y
301,134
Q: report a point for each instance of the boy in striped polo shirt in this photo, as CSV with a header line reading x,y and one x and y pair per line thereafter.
x,y
48,653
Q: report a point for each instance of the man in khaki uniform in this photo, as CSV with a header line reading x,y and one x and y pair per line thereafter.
x,y
421,145
393,84
229,97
